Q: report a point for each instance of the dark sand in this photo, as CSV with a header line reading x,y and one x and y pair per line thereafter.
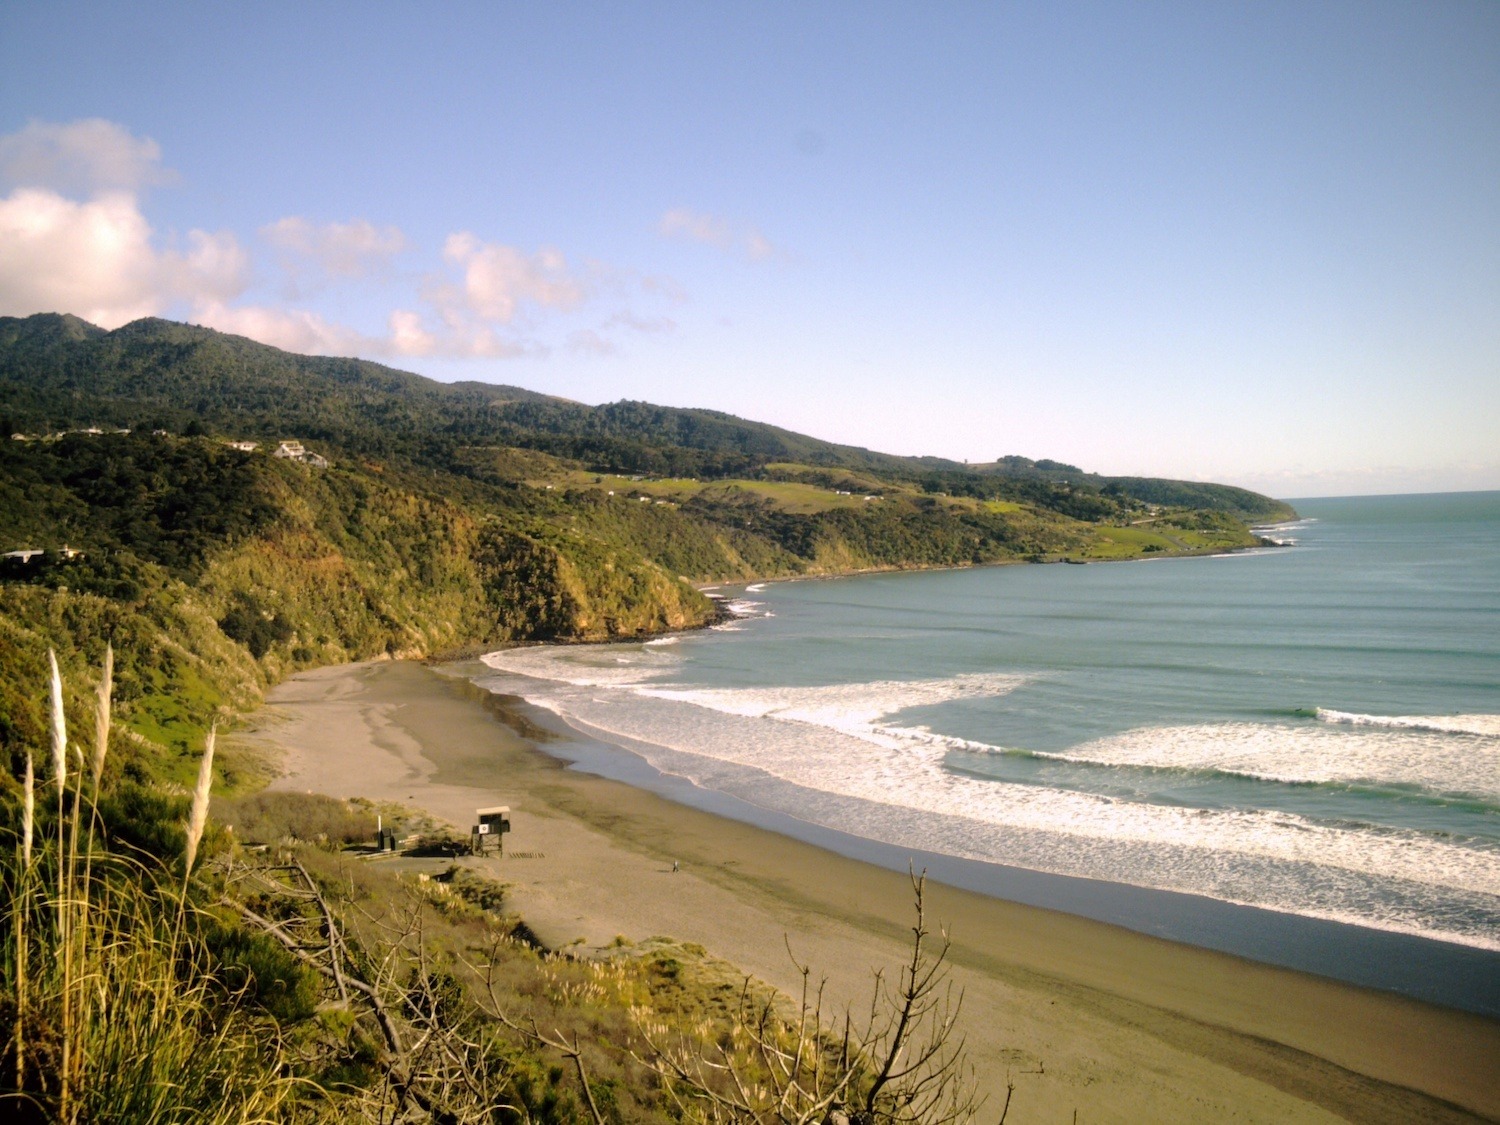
x,y
1079,1014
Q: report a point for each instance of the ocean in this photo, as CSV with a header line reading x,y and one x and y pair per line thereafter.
x,y
1291,753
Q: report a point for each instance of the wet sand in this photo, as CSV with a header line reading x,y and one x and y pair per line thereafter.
x,y
1080,1015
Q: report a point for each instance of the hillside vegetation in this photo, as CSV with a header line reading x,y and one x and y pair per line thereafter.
x,y
449,515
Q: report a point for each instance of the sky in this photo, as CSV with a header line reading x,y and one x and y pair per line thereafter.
x,y
1257,243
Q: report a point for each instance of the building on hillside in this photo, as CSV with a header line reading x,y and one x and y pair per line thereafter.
x,y
244,446
294,451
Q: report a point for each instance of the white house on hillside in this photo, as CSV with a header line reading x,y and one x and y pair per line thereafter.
x,y
294,451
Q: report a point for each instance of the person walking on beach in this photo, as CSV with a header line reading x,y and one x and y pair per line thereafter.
x,y
674,867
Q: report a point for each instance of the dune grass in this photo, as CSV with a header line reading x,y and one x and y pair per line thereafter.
x,y
111,1006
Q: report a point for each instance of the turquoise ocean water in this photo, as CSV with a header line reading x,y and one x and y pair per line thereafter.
x,y
1313,730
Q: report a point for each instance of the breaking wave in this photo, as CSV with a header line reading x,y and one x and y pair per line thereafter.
x,y
838,755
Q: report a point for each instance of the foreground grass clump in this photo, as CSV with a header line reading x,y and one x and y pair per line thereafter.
x,y
110,1004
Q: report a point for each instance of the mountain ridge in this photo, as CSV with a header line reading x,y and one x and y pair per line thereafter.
x,y
365,407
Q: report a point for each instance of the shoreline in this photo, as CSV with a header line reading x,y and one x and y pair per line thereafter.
x,y
1448,974
1081,1015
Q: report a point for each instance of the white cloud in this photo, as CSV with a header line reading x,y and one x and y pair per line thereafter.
x,y
630,320
697,226
351,249
96,259
712,230
589,342
406,337
83,157
294,330
497,279
758,246
215,267
409,336
73,238
666,287
95,256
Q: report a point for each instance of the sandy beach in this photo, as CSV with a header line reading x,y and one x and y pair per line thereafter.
x,y
1078,1014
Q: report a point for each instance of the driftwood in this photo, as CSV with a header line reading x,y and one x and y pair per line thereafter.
x,y
428,1066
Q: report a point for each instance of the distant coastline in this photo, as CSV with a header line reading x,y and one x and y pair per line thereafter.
x,y
1262,759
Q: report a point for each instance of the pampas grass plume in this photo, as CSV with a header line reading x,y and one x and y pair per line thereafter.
x,y
101,714
198,816
28,812
59,727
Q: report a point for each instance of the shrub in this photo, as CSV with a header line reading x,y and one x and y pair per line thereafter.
x,y
268,818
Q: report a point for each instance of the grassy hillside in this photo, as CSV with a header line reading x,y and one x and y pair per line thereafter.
x,y
216,572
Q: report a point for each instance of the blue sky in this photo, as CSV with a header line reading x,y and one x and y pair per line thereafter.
x,y
1257,243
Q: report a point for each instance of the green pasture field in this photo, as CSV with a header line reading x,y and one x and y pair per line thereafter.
x,y
793,496
1136,541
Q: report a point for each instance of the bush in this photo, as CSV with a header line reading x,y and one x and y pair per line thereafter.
x,y
263,972
268,818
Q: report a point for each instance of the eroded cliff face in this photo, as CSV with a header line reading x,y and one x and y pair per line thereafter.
x,y
580,589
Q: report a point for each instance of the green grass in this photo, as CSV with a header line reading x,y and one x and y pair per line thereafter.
x,y
1141,540
791,496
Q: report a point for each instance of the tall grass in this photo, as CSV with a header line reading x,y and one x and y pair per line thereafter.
x,y
115,1010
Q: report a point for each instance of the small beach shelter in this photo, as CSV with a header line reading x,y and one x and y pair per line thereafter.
x,y
493,824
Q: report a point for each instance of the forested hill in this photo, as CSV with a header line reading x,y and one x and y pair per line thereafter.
x,y
428,517
58,372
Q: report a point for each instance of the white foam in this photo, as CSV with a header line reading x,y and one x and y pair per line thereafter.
x,y
827,754
882,783
586,665
1307,753
843,707
1486,725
